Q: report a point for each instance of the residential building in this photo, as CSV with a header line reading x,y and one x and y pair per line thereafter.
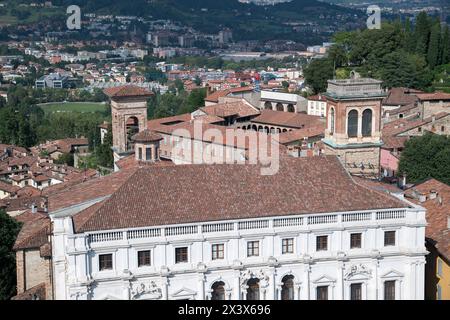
x,y
317,105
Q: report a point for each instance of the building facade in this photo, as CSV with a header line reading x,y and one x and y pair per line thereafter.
x,y
372,248
354,124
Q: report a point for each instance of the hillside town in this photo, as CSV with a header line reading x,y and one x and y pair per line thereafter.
x,y
182,165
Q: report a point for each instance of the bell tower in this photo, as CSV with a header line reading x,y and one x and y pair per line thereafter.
x,y
353,131
129,116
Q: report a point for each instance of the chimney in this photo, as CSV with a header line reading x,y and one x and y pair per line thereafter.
x,y
433,194
33,208
422,198
448,222
433,119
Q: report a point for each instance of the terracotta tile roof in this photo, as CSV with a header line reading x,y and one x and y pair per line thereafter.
x,y
146,136
433,96
285,119
403,125
127,91
188,130
393,142
169,120
35,293
302,185
80,192
239,109
8,187
34,232
299,134
377,185
318,97
20,204
130,162
214,97
400,97
404,108
438,213
209,118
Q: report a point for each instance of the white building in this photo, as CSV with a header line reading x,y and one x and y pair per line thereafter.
x,y
280,101
226,232
317,105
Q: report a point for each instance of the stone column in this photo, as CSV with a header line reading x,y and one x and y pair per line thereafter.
x,y
340,294
237,286
165,288
201,286
359,125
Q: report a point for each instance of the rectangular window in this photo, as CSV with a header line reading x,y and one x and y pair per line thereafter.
x,y
218,251
140,153
442,128
148,154
252,248
355,240
439,267
389,238
287,245
144,258
389,290
356,291
181,255
322,293
322,243
105,262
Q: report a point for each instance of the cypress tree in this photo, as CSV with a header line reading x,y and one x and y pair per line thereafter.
x,y
445,53
434,51
422,33
410,43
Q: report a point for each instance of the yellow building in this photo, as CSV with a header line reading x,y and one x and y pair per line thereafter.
x,y
435,197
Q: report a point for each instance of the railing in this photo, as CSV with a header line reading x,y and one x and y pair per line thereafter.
x,y
255,224
322,219
358,216
217,227
288,222
245,225
392,214
106,236
175,231
143,233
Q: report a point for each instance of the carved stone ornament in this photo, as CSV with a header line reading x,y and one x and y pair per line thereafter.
x,y
357,269
248,274
146,291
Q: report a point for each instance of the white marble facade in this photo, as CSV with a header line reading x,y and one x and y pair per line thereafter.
x,y
77,274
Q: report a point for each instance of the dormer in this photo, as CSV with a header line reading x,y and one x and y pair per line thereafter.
x,y
146,146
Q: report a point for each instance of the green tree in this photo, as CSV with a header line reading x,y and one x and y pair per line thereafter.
x,y
445,53
103,152
65,158
318,73
426,157
9,229
434,49
422,33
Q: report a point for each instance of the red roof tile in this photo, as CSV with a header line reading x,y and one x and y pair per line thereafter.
x,y
127,91
302,185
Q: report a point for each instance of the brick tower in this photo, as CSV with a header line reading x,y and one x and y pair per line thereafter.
x,y
353,130
129,116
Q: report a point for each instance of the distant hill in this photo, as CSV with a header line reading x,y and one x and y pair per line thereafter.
x,y
248,21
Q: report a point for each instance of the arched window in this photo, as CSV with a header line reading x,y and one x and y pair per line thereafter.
x,y
287,290
266,129
290,108
280,107
253,289
255,128
367,123
218,291
352,124
268,105
132,127
332,121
